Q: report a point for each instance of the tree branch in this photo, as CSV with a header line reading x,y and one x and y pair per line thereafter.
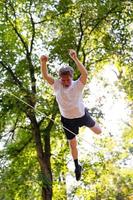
x,y
128,124
25,45
81,33
14,77
33,30
99,60
101,19
15,26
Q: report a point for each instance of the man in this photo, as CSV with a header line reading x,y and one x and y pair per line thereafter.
x,y
69,98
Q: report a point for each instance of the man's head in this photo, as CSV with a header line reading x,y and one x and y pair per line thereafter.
x,y
66,75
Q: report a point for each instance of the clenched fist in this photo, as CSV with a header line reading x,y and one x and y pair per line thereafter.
x,y
72,54
43,58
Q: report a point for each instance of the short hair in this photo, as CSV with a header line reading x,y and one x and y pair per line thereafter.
x,y
66,71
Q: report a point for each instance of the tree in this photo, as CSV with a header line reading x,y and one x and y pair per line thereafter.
x,y
98,31
19,66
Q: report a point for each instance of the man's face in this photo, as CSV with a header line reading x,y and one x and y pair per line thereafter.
x,y
66,80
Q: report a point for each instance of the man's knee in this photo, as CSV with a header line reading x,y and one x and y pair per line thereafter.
x,y
96,129
73,143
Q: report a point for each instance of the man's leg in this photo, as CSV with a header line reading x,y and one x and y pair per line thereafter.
x,y
73,148
96,128
74,152
89,122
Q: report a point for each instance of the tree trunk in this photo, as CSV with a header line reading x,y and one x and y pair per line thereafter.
x,y
43,158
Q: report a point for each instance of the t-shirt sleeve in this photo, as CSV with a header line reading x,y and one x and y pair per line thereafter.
x,y
79,85
55,85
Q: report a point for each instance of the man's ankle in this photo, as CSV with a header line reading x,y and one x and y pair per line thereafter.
x,y
76,163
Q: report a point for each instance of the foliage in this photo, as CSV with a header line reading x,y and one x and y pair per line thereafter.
x,y
104,177
100,32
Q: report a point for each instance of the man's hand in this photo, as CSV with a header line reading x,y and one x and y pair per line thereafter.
x,y
72,54
80,66
43,58
45,74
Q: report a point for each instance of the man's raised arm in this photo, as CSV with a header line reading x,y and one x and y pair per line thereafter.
x,y
45,74
80,66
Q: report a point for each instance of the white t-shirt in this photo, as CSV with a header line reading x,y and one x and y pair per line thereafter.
x,y
70,99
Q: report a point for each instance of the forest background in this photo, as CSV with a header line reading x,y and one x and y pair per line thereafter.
x,y
35,161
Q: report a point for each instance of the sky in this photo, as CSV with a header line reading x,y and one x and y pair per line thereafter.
x,y
115,105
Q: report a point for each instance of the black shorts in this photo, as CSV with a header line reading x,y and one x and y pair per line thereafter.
x,y
71,126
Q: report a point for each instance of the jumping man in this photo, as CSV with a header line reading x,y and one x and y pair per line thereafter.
x,y
70,101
